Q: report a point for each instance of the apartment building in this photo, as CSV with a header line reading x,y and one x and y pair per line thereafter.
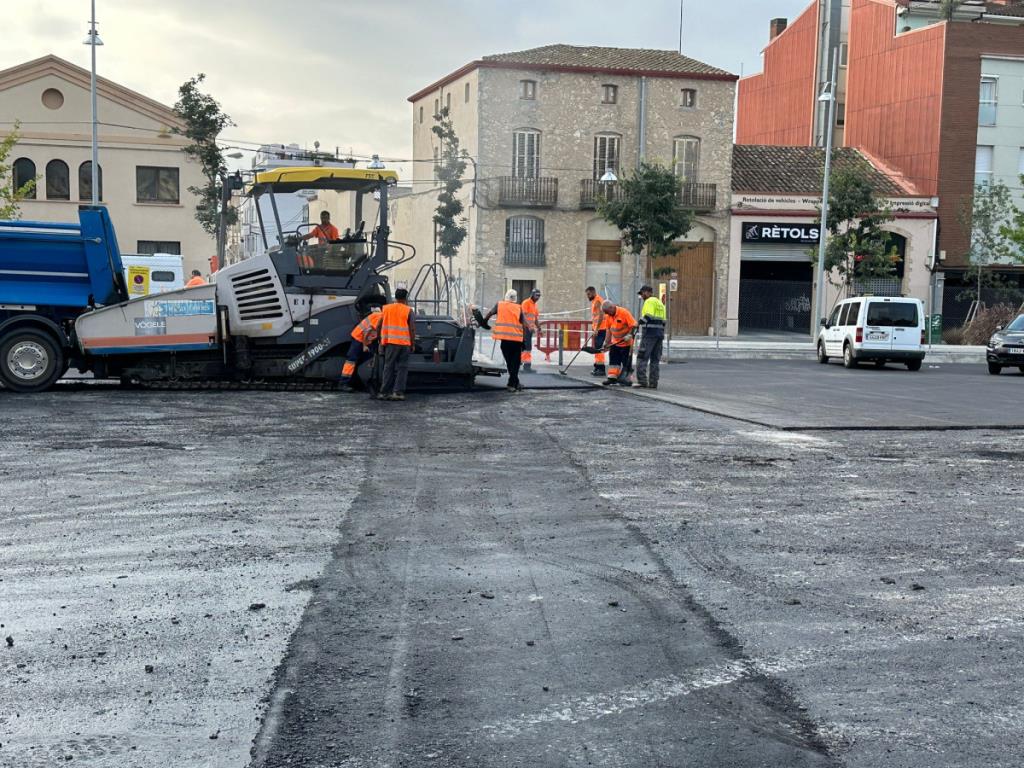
x,y
144,175
541,128
940,100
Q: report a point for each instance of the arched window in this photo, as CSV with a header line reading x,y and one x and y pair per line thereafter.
x,y
85,181
524,241
686,158
58,180
24,172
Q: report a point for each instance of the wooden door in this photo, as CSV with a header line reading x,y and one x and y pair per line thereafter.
x,y
691,309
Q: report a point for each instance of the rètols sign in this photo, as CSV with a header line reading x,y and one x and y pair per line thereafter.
x,y
775,232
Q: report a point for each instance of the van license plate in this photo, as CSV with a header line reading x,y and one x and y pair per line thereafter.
x,y
877,336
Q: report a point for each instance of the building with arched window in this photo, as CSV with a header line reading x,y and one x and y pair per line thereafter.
x,y
549,132
144,174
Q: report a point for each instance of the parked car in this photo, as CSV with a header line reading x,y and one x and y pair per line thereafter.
x,y
877,329
1006,347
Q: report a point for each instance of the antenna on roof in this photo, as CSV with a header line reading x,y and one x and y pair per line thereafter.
x,y
680,27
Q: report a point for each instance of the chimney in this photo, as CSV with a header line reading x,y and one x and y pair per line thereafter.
x,y
776,28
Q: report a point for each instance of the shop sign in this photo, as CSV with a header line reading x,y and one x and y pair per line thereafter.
x,y
780,232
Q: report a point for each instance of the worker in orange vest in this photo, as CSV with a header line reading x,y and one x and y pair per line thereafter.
x,y
621,330
324,232
196,279
531,325
364,338
509,329
599,327
397,340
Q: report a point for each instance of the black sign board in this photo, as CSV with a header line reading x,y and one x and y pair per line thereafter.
x,y
780,232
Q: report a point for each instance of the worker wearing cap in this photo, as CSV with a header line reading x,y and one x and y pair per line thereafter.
x,y
531,325
619,342
648,356
397,340
509,329
364,340
599,329
196,279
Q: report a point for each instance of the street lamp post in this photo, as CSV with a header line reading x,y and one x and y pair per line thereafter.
x,y
93,39
819,299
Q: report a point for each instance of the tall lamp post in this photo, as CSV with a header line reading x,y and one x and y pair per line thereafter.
x,y
819,299
93,39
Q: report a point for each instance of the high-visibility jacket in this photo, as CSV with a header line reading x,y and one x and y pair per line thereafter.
x,y
621,323
507,326
653,309
394,328
325,233
599,320
369,328
530,314
194,282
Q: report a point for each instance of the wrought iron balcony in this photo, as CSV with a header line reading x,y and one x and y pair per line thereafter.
x,y
537,192
525,253
702,198
592,190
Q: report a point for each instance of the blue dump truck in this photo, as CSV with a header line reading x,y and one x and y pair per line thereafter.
x,y
283,318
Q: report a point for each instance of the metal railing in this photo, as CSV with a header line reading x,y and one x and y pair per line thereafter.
x,y
539,191
593,190
698,196
525,253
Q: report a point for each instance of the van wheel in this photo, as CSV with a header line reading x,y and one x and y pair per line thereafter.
x,y
849,361
822,357
30,360
995,369
913,365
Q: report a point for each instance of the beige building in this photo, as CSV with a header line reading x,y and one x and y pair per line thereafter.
x,y
542,127
144,175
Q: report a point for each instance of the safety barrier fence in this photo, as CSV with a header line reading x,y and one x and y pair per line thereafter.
x,y
562,335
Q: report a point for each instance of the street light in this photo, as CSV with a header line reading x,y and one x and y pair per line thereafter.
x,y
376,164
609,176
235,155
829,96
93,39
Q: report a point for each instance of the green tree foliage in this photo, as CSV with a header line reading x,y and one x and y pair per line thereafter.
x,y
9,196
856,246
649,212
989,222
1014,231
204,120
451,226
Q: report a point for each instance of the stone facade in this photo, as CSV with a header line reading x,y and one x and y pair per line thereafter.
x,y
567,112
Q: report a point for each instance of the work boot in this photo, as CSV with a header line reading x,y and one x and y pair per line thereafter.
x,y
640,385
396,396
528,368
381,396
347,388
598,371
609,382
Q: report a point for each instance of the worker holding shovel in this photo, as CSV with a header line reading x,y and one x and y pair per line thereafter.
x,y
619,343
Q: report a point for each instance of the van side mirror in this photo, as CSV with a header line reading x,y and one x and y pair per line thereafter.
x,y
823,323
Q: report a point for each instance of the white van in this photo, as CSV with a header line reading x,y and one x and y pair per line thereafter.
x,y
879,329
145,275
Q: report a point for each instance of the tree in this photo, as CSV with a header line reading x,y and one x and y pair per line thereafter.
x,y
649,212
204,120
1015,230
451,227
9,196
856,246
988,220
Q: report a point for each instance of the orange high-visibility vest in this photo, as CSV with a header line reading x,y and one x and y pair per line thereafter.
x,y
530,313
325,233
622,322
394,327
195,281
507,327
368,329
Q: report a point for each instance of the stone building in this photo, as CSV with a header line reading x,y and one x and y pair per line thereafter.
x,y
541,128
144,173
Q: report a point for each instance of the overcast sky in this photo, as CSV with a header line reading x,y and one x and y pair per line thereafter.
x,y
340,71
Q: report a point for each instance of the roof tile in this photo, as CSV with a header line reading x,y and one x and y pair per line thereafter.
x,y
629,59
769,170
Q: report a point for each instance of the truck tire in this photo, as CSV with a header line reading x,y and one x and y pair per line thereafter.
x,y
913,365
30,360
849,359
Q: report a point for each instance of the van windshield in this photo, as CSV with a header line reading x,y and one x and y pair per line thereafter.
x,y
901,314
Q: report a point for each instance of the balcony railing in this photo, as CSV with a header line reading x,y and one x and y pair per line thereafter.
x,y
699,197
592,190
539,191
525,253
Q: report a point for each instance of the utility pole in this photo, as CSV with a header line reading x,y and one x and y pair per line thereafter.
x,y
93,40
680,27
819,299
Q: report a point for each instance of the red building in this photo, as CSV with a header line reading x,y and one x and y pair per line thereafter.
x,y
910,96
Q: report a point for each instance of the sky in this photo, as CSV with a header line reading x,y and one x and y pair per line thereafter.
x,y
340,71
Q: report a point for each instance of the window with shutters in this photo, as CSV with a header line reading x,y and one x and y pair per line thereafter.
x,y
688,98
526,154
467,93
524,241
528,89
448,102
58,180
150,247
24,171
988,101
421,114
606,154
609,94
686,158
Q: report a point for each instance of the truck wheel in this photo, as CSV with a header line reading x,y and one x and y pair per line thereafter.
x,y
30,360
849,361
822,357
913,365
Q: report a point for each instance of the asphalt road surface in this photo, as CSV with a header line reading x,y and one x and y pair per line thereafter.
x,y
565,577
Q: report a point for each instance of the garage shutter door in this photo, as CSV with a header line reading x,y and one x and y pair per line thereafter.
x,y
776,252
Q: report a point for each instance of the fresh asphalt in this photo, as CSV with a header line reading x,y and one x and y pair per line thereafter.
x,y
562,577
